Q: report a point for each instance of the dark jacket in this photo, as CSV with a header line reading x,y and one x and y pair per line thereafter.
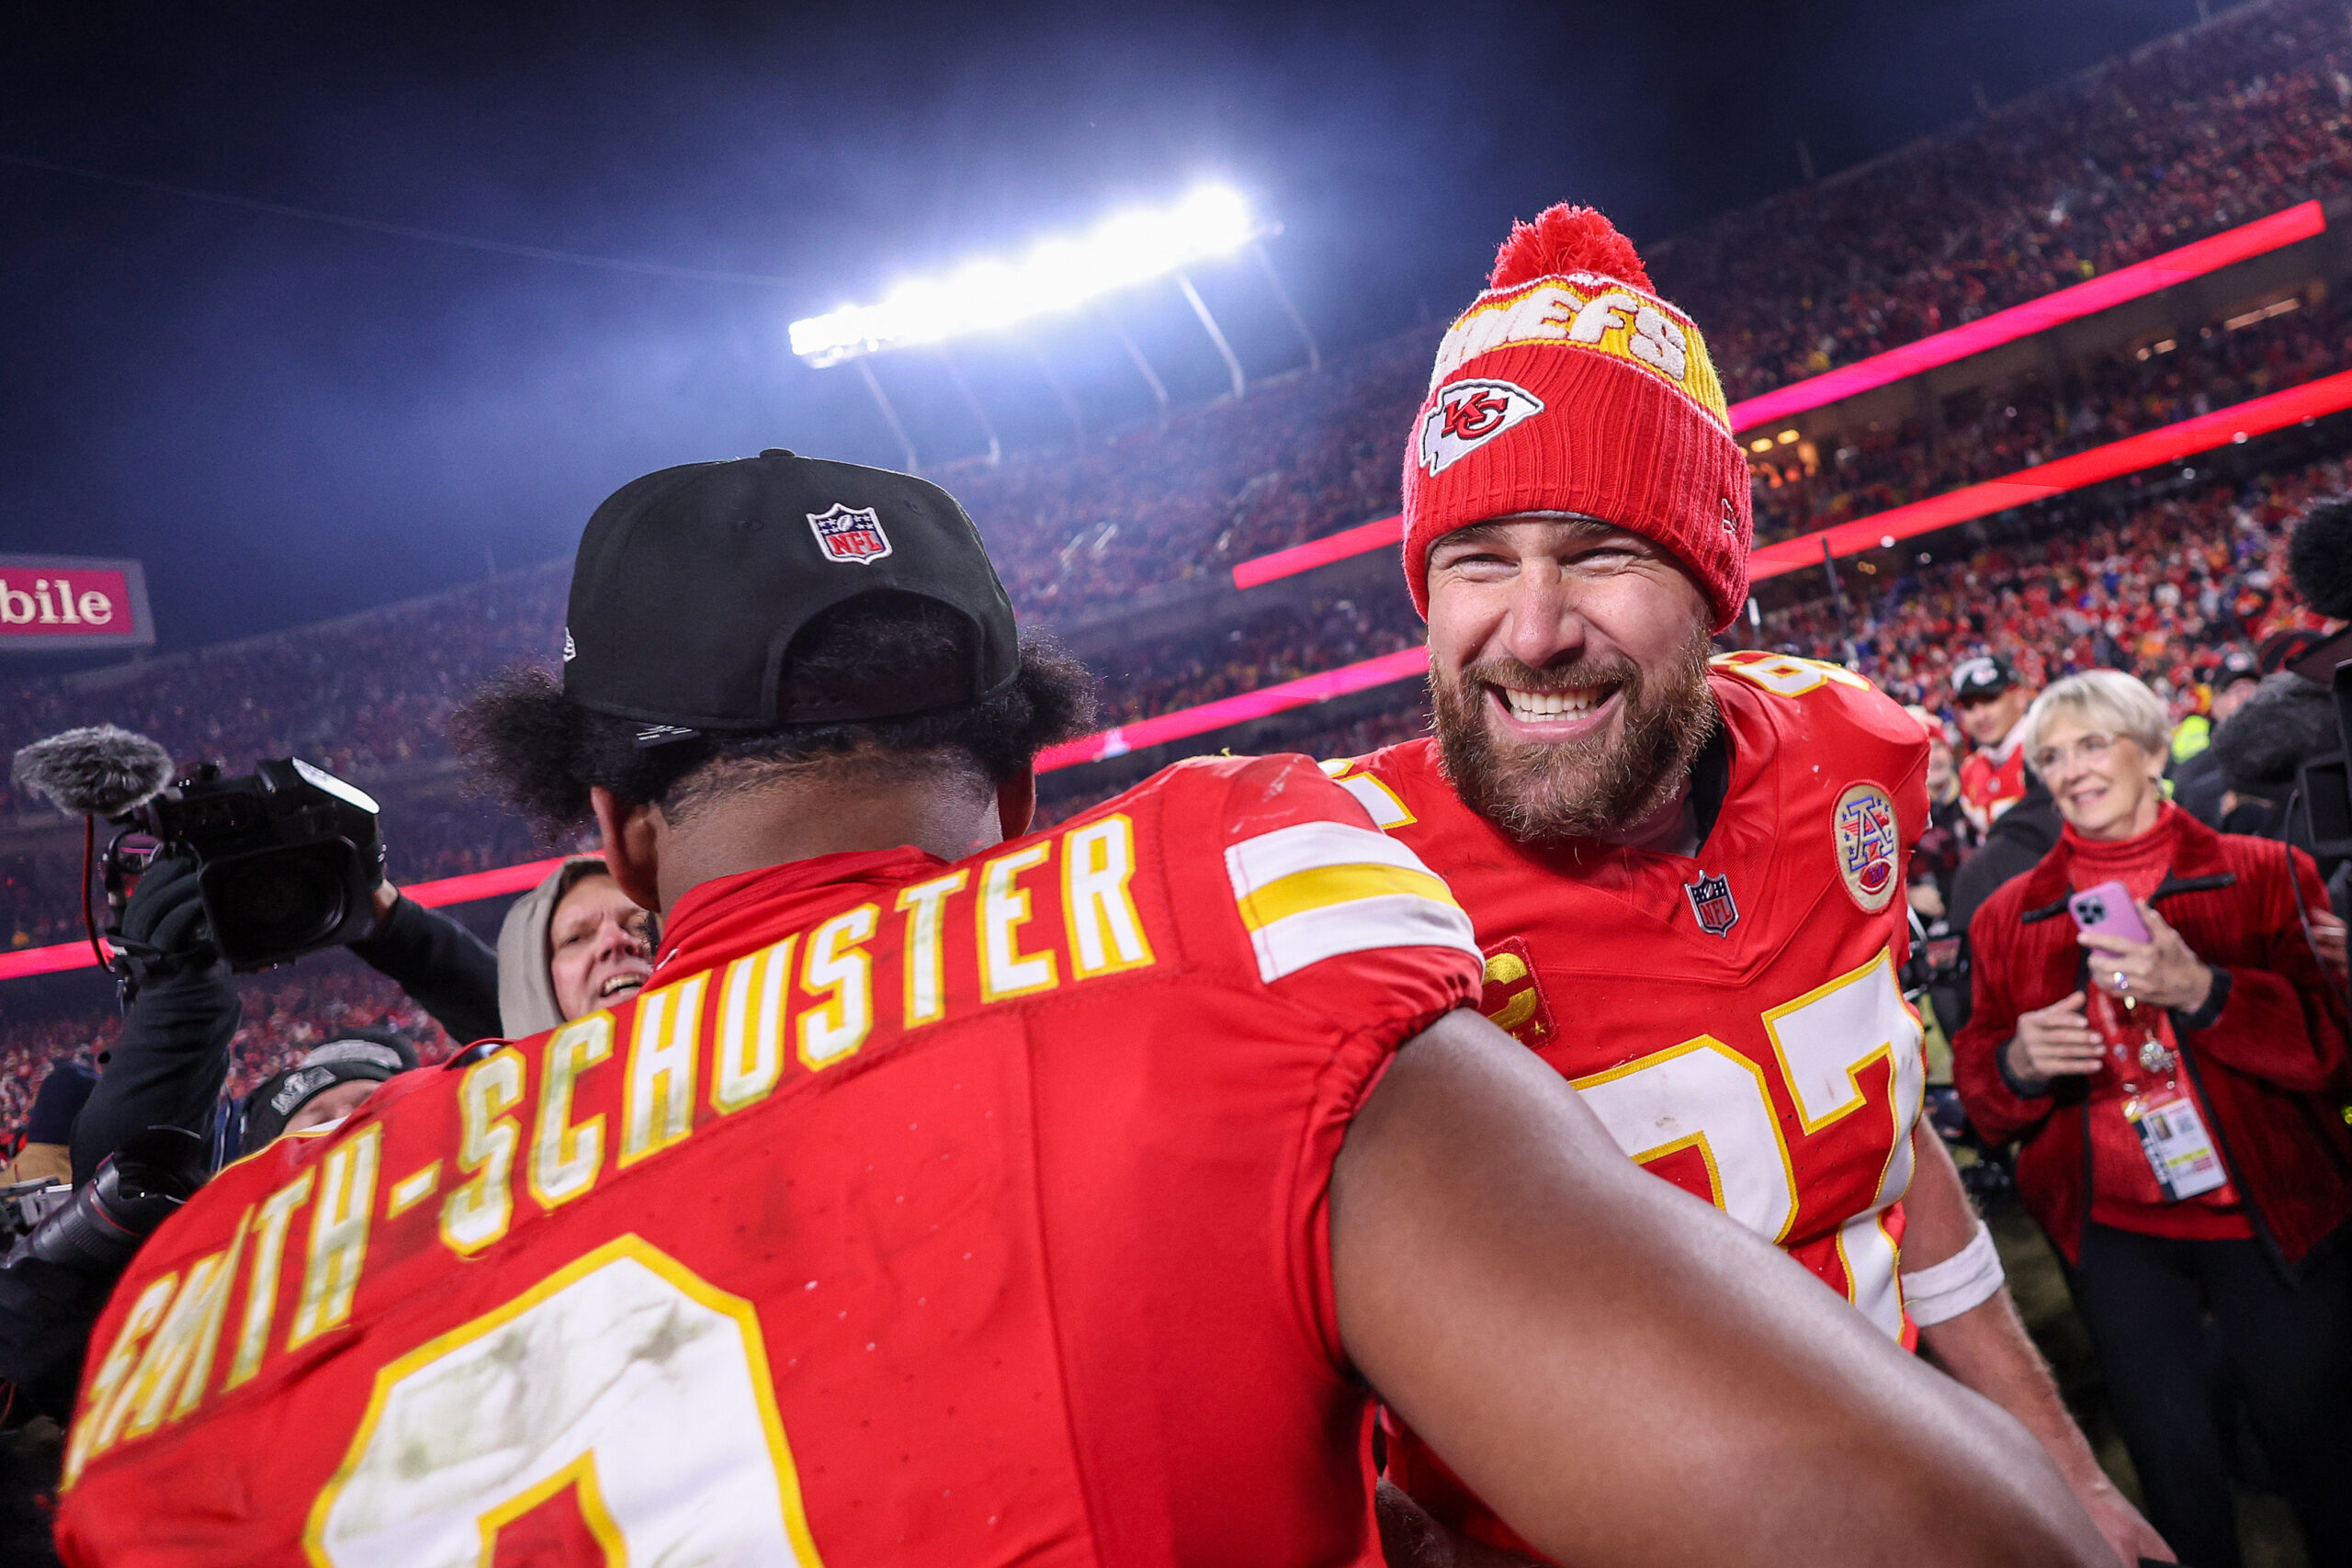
x,y
2267,1063
2018,838
444,968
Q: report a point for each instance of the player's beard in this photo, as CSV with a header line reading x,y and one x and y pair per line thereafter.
x,y
1605,783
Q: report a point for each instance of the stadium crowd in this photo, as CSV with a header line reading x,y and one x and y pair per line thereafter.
x,y
2145,153
2004,429
286,1012
2185,138
2164,592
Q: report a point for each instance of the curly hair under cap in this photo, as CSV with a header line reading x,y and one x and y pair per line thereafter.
x,y
524,742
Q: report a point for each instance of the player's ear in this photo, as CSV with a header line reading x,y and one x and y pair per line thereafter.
x,y
1016,802
631,833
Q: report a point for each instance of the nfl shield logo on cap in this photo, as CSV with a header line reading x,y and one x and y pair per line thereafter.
x,y
850,534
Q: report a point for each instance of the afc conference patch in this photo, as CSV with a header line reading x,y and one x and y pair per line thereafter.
x,y
1710,900
853,535
1864,836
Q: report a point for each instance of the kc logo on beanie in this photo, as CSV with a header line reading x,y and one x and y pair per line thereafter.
x,y
1467,416
1569,386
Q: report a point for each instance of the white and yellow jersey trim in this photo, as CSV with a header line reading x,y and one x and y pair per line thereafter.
x,y
1388,810
1315,890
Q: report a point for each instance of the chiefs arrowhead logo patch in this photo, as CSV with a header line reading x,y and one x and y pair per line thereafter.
x,y
1468,415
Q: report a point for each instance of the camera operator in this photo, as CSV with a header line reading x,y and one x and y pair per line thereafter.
x,y
444,968
2289,725
169,1064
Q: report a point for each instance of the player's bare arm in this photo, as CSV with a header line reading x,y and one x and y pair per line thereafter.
x,y
1581,1341
1985,1347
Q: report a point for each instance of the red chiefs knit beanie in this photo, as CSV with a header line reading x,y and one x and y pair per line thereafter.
x,y
1569,386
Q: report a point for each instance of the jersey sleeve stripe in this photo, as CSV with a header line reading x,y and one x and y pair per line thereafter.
x,y
1255,863
1314,890
1392,919
1320,887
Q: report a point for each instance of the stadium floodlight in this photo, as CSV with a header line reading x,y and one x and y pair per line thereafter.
x,y
1056,275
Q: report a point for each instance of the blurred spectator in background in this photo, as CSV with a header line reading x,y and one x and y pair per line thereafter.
x,y
2173,1099
571,945
2287,722
1990,702
2197,781
327,1085
45,1154
1950,836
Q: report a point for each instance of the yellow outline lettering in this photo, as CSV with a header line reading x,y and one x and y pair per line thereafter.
x,y
1005,970
658,1099
479,1209
1106,933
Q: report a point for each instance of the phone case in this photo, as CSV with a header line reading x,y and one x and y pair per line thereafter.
x,y
2108,908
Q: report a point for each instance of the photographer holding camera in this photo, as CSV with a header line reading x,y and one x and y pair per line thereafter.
x,y
241,874
169,1065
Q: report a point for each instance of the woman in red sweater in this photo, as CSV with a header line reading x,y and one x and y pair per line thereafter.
x,y
2173,1101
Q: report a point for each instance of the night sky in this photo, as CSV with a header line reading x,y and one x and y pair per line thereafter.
x,y
290,419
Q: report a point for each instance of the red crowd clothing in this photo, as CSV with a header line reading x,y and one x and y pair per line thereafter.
x,y
2123,1190
1735,1017
915,1212
1992,778
2266,1067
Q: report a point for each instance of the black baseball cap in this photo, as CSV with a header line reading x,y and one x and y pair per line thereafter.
x,y
2237,665
1985,675
691,584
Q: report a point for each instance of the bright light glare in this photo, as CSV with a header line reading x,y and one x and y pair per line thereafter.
x,y
1056,275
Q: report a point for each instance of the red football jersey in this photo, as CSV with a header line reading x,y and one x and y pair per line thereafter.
x,y
916,1213
1991,779
1735,1019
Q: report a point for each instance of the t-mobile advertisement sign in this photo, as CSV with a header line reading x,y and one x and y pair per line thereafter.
x,y
62,603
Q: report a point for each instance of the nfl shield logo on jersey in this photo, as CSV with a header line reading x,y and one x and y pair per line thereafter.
x,y
1863,825
1710,900
854,535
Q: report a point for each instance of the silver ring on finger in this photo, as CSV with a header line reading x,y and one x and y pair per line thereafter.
x,y
2122,981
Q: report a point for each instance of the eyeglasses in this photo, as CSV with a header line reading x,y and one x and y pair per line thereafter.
x,y
2089,748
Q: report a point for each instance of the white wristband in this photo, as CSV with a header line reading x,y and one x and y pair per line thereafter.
x,y
1967,1279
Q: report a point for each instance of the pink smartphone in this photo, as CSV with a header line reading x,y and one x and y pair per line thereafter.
x,y
2108,908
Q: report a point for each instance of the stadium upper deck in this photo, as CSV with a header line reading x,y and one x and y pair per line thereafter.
x,y
1088,539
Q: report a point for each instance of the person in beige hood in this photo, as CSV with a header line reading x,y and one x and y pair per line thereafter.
x,y
571,945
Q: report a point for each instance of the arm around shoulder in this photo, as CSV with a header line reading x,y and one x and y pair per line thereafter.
x,y
1542,1310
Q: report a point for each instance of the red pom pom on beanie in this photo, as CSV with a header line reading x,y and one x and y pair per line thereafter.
x,y
1562,239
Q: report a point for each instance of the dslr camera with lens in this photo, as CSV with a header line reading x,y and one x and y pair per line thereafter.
x,y
289,856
